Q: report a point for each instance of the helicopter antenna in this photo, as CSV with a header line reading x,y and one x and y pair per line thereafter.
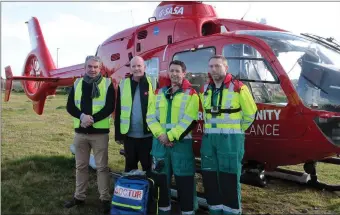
x,y
132,18
246,11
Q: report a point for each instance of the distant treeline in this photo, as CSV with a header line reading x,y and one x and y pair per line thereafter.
x,y
16,87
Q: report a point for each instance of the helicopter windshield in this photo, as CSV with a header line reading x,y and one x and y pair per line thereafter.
x,y
312,66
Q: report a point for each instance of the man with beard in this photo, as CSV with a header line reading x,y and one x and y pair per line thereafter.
x,y
171,116
91,103
229,110
133,97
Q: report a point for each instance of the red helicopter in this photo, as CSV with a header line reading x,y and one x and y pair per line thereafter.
x,y
294,79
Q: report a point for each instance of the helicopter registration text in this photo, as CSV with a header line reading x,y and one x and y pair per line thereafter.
x,y
268,129
171,10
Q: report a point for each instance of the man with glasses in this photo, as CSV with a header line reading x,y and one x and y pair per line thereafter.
x,y
91,103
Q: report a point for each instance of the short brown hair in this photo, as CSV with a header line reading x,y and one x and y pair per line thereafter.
x,y
220,57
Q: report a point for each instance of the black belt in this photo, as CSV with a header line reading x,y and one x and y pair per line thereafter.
x,y
229,111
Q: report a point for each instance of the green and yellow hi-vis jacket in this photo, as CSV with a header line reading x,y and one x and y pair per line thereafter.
x,y
176,122
237,107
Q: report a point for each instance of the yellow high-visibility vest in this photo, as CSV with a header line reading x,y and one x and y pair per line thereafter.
x,y
97,103
241,104
184,109
126,103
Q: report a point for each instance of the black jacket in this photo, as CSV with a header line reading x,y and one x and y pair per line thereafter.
x,y
86,108
144,98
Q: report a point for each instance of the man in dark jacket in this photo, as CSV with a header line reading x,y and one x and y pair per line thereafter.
x,y
91,103
131,128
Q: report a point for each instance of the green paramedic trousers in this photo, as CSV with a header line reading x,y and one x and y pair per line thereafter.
x,y
180,161
221,157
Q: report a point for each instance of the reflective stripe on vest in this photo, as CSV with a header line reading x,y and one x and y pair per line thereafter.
x,y
126,103
97,103
76,101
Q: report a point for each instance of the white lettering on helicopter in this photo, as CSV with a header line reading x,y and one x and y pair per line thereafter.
x,y
200,116
266,129
199,128
268,114
257,129
171,10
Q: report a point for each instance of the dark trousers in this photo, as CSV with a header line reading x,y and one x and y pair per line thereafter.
x,y
137,150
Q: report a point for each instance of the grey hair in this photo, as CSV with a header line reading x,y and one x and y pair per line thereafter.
x,y
94,58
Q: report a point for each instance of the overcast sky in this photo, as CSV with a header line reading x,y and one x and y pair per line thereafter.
x,y
77,28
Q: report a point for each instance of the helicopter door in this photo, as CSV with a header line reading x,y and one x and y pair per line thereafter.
x,y
274,117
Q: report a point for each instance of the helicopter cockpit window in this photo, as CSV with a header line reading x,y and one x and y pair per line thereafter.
x,y
196,62
312,65
247,64
152,69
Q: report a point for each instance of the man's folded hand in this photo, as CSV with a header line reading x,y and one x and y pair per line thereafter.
x,y
86,121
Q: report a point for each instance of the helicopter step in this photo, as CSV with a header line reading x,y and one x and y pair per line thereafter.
x,y
289,175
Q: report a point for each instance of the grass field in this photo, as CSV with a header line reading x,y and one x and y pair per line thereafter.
x,y
38,171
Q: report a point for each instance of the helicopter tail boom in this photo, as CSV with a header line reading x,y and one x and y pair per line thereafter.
x,y
37,79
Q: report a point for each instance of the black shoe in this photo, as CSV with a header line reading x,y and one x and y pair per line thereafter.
x,y
106,206
73,202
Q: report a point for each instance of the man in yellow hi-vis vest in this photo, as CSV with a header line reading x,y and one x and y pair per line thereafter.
x,y
133,96
171,116
229,110
91,103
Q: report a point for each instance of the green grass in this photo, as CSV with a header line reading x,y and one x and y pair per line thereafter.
x,y
38,172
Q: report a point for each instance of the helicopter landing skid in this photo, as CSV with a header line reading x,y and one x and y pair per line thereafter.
x,y
309,177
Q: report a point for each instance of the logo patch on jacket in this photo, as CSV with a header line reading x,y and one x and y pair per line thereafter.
x,y
128,193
